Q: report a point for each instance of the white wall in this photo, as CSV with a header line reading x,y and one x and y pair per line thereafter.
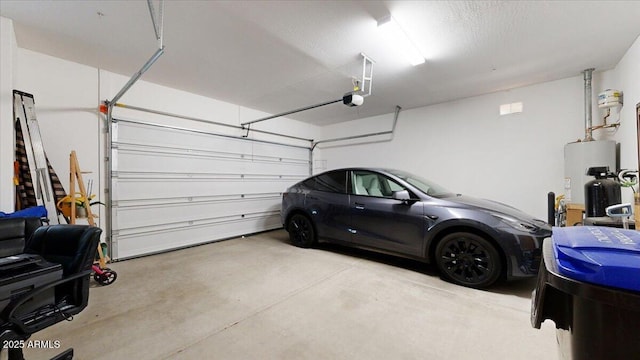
x,y
468,147
7,55
625,77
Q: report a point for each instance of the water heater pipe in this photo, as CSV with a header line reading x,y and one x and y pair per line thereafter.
x,y
588,117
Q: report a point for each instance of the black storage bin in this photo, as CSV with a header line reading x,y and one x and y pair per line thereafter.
x,y
589,285
25,276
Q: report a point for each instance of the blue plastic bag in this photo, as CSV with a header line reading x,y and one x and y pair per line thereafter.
x,y
34,211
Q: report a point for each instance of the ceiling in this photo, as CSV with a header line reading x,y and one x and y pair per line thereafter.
x,y
276,56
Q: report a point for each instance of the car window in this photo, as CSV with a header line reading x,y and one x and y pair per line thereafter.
x,y
373,184
334,181
423,185
394,186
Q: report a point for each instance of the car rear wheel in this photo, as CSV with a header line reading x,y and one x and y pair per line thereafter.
x,y
468,259
301,231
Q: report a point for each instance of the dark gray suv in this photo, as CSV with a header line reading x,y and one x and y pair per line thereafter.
x,y
473,242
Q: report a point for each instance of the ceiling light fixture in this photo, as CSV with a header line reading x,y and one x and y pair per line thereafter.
x,y
395,34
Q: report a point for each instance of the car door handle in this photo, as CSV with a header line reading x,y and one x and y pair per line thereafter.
x,y
432,217
359,206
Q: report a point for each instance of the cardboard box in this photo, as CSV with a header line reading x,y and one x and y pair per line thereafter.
x,y
575,214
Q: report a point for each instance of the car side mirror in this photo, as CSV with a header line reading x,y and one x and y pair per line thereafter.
x,y
402,195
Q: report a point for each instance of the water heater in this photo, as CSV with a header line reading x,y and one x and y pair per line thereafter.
x,y
580,156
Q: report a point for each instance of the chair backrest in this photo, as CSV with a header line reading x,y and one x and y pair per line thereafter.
x,y
14,232
72,246
374,188
360,189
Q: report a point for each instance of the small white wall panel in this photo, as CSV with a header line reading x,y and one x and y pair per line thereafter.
x,y
174,187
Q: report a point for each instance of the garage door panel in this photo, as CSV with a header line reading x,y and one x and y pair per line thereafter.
x,y
148,162
143,214
140,189
279,152
172,187
140,137
152,240
143,134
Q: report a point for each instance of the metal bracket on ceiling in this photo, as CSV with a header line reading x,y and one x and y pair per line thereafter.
x,y
158,20
158,24
367,75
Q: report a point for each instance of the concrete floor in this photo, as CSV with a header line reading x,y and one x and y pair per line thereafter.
x,y
260,298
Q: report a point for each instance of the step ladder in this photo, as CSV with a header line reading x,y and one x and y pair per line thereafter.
x,y
24,111
76,177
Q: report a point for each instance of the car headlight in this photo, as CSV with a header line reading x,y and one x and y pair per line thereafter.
x,y
516,223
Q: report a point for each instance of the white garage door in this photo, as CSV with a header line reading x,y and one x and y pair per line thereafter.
x,y
173,187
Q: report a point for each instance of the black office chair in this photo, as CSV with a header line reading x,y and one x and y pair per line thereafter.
x,y
73,247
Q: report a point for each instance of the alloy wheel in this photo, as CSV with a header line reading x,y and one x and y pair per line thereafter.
x,y
468,259
301,231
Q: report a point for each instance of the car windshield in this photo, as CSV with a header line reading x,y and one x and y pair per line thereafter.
x,y
426,186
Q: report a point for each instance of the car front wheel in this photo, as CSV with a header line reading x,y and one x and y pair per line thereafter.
x,y
468,259
301,231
